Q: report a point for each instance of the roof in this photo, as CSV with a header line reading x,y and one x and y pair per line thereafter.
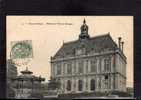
x,y
96,44
26,71
29,77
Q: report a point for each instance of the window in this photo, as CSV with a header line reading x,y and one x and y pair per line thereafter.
x,y
106,81
58,69
99,83
107,64
80,67
64,66
80,51
74,67
92,85
99,66
80,85
106,84
86,85
68,85
109,85
93,65
69,68
86,66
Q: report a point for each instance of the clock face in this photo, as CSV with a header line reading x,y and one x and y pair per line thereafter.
x,y
21,50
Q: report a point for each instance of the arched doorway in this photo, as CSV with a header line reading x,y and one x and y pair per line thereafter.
x,y
92,85
68,85
80,85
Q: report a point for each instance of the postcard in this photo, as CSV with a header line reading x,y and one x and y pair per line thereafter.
x,y
70,57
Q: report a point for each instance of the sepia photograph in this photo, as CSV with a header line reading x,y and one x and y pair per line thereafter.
x,y
70,57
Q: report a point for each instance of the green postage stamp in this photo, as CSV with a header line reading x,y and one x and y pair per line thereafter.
x,y
21,49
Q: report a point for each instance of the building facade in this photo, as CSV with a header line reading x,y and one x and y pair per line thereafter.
x,y
11,70
90,64
11,73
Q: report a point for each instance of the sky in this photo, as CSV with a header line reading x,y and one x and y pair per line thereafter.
x,y
49,32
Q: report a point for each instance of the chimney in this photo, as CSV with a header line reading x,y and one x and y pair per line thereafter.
x,y
122,43
119,42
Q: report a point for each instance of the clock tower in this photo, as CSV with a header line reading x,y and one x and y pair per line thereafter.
x,y
84,31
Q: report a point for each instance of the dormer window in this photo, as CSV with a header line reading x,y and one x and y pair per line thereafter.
x,y
80,51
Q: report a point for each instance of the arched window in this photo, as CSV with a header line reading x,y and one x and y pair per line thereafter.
x,y
58,69
99,83
80,85
107,64
80,67
92,84
93,65
86,65
69,68
106,81
68,85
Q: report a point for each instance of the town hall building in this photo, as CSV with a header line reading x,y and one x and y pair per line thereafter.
x,y
90,64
